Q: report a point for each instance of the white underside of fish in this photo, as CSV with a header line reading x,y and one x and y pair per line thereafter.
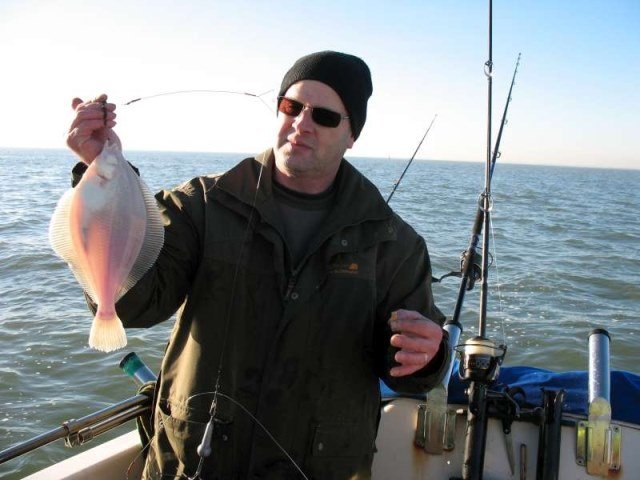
x,y
109,230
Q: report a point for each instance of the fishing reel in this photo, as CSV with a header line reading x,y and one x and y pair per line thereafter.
x,y
473,257
480,359
475,272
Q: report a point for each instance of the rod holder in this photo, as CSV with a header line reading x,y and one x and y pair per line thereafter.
x,y
549,435
436,424
598,442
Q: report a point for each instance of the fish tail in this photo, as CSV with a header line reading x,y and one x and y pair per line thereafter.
x,y
107,333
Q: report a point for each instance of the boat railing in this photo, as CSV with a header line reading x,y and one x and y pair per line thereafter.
x,y
80,431
77,432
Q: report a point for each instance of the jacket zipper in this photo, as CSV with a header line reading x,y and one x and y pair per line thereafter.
x,y
290,286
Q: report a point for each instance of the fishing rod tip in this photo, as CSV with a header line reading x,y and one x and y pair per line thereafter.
x,y
133,101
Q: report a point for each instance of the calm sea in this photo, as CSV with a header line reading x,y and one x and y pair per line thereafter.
x,y
566,249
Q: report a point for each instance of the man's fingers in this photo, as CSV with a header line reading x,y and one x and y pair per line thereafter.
x,y
414,344
417,339
91,113
91,126
102,98
409,362
403,370
99,104
419,326
88,127
75,102
402,314
412,358
77,136
405,317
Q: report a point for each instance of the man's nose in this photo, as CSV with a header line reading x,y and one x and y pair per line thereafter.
x,y
304,121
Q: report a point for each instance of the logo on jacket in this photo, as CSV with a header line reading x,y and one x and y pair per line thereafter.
x,y
344,268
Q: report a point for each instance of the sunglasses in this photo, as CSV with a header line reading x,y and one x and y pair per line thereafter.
x,y
321,116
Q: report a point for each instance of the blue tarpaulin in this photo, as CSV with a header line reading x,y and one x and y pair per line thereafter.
x,y
625,390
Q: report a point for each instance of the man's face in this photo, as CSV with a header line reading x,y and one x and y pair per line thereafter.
x,y
307,154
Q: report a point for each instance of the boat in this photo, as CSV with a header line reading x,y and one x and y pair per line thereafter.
x,y
538,446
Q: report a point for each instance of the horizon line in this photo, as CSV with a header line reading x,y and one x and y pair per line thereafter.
x,y
360,156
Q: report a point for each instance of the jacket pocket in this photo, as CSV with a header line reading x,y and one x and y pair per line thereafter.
x,y
342,440
184,431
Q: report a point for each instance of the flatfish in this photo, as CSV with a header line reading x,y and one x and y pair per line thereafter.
x,y
109,230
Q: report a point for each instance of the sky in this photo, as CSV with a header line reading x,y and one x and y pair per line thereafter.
x,y
576,99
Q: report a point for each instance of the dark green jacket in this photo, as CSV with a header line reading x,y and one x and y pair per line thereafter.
x,y
301,350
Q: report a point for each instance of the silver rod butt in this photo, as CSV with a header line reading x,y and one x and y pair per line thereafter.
x,y
454,332
599,368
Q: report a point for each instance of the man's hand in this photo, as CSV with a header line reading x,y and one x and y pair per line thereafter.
x,y
417,338
91,127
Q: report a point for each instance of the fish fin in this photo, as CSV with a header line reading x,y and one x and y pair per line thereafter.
x,y
107,333
59,234
60,240
153,240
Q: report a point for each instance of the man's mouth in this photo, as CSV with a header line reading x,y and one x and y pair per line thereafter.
x,y
297,143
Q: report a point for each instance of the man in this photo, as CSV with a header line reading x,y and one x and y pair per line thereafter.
x,y
298,289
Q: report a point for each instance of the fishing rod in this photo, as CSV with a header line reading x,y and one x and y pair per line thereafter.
x,y
480,356
395,185
470,271
432,434
496,148
180,92
471,268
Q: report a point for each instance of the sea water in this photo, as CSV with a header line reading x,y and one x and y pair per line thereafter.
x,y
565,254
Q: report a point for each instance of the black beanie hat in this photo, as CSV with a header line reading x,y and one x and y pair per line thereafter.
x,y
348,75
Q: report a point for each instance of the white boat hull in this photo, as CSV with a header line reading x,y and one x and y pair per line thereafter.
x,y
108,461
397,456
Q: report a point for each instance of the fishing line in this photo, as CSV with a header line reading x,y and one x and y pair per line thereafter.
x,y
498,283
230,92
140,455
258,422
204,447
247,412
495,156
155,473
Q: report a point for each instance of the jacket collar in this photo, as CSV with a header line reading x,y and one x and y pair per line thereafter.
x,y
357,199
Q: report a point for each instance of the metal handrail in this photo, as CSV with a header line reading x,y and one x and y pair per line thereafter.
x,y
80,431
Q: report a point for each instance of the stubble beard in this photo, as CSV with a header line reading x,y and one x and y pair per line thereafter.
x,y
295,164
